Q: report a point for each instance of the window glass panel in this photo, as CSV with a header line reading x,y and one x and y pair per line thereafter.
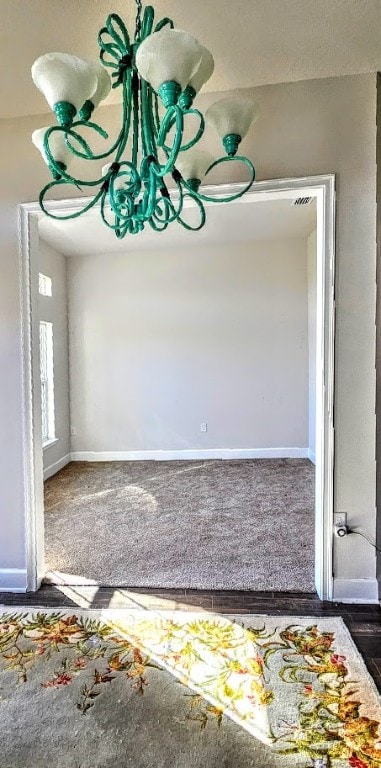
x,y
47,381
44,285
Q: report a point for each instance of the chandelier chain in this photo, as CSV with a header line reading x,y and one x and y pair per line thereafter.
x,y
138,20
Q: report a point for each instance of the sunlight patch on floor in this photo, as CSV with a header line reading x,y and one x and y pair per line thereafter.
x,y
85,597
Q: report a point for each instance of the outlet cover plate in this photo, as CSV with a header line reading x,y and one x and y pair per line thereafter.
x,y
339,518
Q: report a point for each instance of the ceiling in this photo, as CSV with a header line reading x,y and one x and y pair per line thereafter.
x,y
237,222
254,42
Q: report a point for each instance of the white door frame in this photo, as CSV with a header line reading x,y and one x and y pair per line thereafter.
x,y
320,187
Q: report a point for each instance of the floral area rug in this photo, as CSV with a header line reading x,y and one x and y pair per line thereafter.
x,y
145,689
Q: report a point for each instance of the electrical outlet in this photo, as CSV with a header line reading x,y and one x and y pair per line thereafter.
x,y
73,431
339,519
204,426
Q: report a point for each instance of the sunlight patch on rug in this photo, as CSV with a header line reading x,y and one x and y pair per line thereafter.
x,y
213,656
297,685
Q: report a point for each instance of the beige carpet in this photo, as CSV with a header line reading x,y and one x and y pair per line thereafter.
x,y
183,690
202,525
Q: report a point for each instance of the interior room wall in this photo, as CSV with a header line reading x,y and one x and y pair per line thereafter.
x,y
312,317
162,342
308,127
53,309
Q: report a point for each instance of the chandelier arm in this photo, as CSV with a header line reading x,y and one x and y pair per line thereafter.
x,y
118,32
147,122
132,189
135,118
103,215
229,198
154,127
156,115
163,23
155,226
101,156
58,182
149,102
147,23
201,208
122,139
150,201
146,139
112,49
119,49
87,153
164,214
120,231
181,197
123,206
161,213
200,131
59,170
176,211
151,118
191,143
123,211
173,152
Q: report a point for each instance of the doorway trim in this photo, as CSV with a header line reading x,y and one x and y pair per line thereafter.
x,y
320,187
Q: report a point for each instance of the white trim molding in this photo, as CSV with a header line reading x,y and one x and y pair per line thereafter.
x,y
49,443
56,466
322,188
13,580
192,454
355,590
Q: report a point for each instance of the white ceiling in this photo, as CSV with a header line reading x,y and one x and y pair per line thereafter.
x,y
254,42
233,223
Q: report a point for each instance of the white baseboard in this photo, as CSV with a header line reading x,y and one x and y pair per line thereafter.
x,y
311,456
54,468
355,590
197,454
13,580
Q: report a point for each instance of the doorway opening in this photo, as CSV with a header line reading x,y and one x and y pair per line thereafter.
x,y
211,402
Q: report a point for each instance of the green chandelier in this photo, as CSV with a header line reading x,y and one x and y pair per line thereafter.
x,y
152,168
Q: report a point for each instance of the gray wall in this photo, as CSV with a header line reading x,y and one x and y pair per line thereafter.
x,y
312,307
378,323
311,127
53,309
161,343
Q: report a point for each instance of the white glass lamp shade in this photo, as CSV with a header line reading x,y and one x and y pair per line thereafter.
x,y
232,115
103,83
64,78
60,152
204,72
170,55
194,163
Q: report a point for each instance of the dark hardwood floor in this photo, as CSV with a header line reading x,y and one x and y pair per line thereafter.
x,y
363,621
